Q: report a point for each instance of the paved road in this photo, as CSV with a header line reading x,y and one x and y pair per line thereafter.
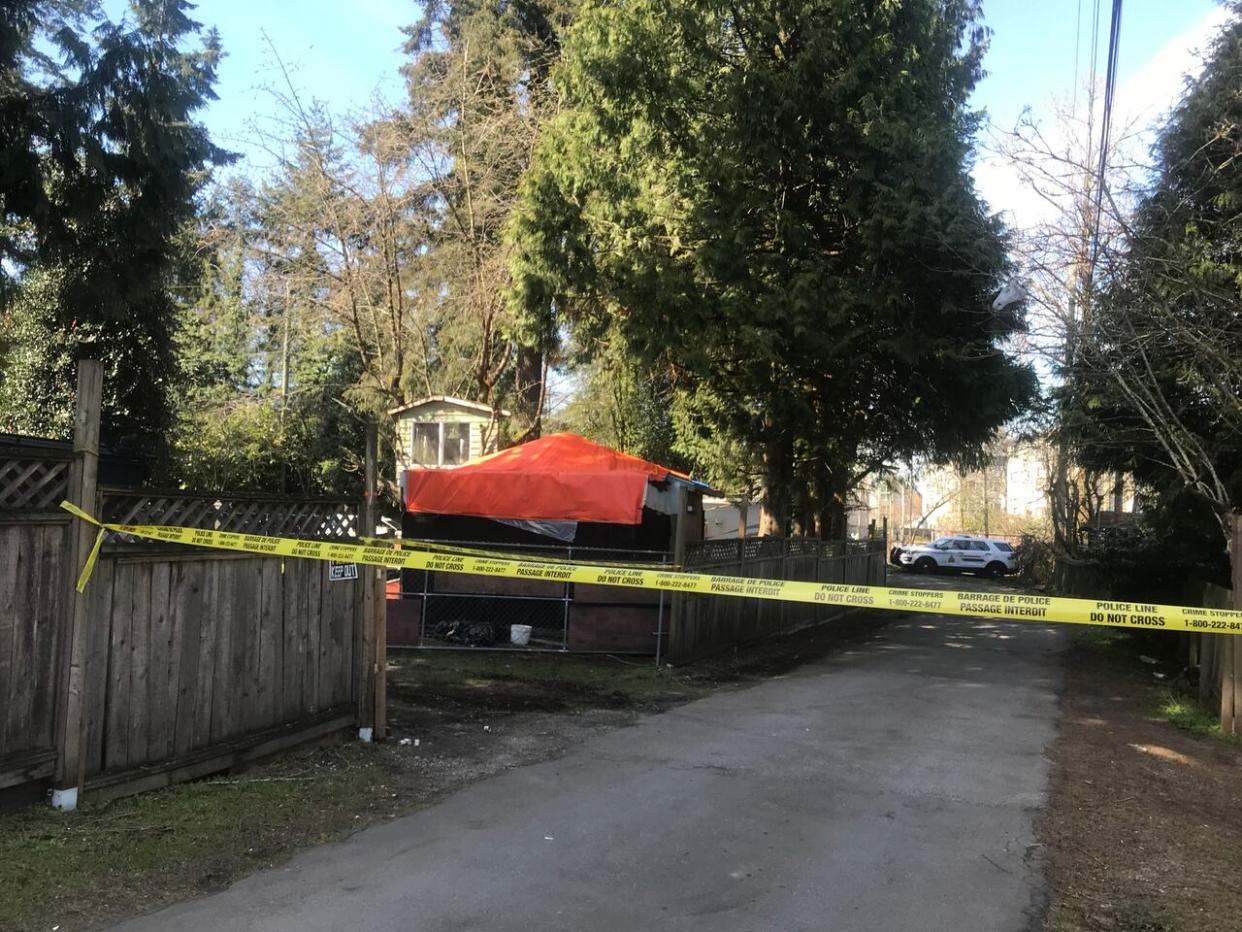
x,y
890,787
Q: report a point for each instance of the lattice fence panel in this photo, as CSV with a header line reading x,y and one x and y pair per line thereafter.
x,y
759,548
713,552
276,517
864,546
29,484
804,547
709,552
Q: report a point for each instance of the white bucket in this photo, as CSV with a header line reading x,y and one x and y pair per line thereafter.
x,y
519,635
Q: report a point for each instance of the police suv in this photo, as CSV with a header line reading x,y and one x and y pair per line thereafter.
x,y
983,555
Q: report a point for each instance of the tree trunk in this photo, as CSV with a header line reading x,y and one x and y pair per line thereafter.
x,y
528,386
836,519
771,524
833,495
1064,510
774,514
804,518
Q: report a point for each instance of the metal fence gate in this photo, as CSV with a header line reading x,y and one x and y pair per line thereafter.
x,y
450,611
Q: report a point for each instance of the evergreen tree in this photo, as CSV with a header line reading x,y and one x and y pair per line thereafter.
x,y
772,202
100,161
621,404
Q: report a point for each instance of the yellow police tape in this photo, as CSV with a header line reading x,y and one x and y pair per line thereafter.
x,y
1007,606
437,547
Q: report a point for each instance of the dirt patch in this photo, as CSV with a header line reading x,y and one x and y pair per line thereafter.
x,y
1144,825
477,713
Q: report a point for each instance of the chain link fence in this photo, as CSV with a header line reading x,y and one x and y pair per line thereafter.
x,y
433,610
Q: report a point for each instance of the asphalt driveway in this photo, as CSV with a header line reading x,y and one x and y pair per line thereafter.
x,y
889,787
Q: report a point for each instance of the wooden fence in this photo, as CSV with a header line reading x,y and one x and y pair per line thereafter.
x,y
1213,654
703,625
175,662
195,655
1081,579
32,640
1218,657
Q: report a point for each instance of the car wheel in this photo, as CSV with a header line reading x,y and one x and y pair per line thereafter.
x,y
994,570
924,565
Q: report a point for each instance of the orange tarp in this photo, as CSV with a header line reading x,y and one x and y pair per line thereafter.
x,y
561,477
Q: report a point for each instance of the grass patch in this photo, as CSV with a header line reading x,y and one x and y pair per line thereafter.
x,y
1141,653
130,855
1185,712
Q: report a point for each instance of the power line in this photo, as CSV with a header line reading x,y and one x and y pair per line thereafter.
x,y
1106,119
1092,75
1095,39
1077,44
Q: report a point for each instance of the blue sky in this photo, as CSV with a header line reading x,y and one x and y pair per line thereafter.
x,y
343,52
1032,52
1031,63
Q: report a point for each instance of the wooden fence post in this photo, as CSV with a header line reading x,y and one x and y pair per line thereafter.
x,y
677,604
83,474
371,679
379,595
1230,659
782,564
1228,683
